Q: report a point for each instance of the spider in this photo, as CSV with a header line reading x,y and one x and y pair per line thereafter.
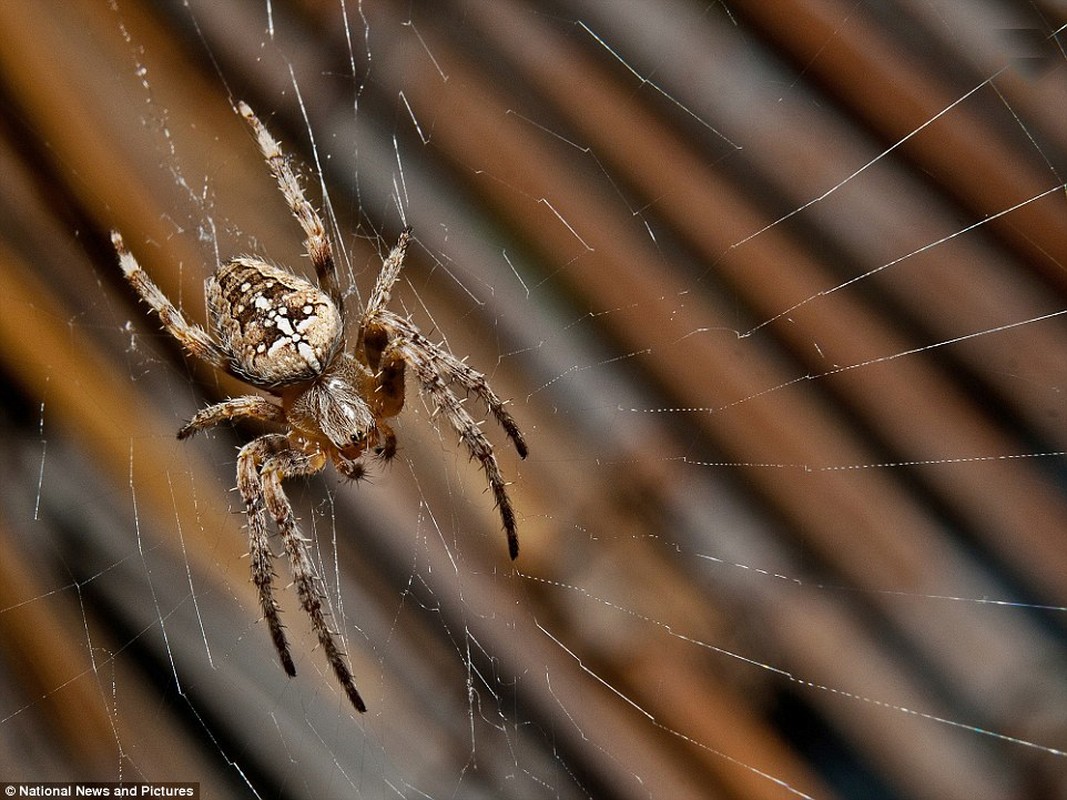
x,y
283,334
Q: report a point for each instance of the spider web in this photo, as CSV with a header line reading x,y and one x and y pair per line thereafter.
x,y
780,304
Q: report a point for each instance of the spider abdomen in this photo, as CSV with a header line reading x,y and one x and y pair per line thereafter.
x,y
278,329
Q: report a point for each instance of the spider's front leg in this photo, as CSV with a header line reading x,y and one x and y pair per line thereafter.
x,y
286,462
427,367
391,344
261,558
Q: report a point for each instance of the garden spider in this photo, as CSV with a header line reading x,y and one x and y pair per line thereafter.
x,y
281,333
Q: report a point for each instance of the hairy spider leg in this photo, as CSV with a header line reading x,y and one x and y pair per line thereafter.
x,y
195,339
388,275
245,407
261,559
472,436
288,463
317,243
379,325
455,370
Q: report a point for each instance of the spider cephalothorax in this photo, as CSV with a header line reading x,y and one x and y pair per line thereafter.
x,y
282,333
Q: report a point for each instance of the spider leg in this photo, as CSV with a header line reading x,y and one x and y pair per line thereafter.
x,y
390,271
453,369
317,242
284,464
434,383
247,407
261,558
196,341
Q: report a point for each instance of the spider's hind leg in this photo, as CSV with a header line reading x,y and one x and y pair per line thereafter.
x,y
196,341
317,242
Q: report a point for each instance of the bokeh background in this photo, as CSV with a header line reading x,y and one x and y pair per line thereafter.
x,y
778,291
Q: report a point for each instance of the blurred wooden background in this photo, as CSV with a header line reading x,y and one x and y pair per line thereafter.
x,y
778,291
